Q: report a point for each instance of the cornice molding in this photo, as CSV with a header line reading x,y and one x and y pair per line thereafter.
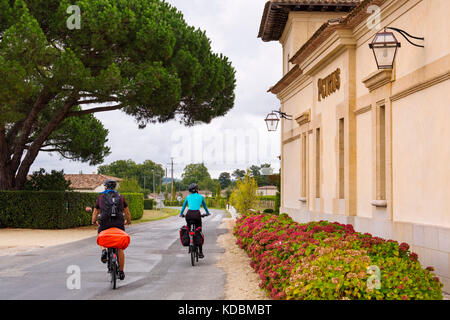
x,y
421,86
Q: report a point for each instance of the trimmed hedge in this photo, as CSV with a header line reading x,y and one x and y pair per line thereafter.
x,y
135,204
148,204
272,198
54,209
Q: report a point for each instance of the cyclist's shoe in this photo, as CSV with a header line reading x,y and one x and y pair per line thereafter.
x,y
121,275
200,255
104,256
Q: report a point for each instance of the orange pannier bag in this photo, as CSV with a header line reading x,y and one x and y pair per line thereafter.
x,y
113,238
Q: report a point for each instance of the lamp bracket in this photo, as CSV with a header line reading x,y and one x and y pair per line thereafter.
x,y
283,115
406,35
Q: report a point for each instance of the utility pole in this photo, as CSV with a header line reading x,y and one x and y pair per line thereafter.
x,y
171,177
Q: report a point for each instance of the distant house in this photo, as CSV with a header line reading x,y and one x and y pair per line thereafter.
x,y
267,191
89,182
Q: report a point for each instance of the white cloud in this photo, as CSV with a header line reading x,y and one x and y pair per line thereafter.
x,y
232,26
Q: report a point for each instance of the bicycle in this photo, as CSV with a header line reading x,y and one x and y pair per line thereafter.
x,y
193,248
113,266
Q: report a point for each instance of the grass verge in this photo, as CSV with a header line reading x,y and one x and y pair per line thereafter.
x,y
154,215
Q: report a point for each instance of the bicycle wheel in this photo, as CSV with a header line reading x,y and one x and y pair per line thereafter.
x,y
114,271
193,250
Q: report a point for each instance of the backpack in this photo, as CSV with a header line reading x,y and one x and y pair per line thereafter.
x,y
184,236
112,206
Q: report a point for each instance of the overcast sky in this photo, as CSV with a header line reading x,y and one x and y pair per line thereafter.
x,y
237,140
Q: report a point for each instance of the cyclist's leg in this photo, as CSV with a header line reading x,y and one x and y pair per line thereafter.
x,y
121,255
104,255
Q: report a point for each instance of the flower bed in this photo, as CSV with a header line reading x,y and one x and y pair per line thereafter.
x,y
323,260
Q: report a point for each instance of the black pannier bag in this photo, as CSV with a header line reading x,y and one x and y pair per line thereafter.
x,y
184,236
198,237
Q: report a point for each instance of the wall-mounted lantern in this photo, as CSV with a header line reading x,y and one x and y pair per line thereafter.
x,y
384,46
272,119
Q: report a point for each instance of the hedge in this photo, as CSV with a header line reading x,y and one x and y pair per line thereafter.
x,y
54,209
211,202
272,198
135,204
148,204
324,260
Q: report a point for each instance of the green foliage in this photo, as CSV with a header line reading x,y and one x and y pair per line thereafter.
x,y
238,174
243,198
129,186
323,260
268,210
54,209
140,57
224,180
148,204
80,138
195,173
272,198
144,173
45,209
135,204
198,173
42,181
214,202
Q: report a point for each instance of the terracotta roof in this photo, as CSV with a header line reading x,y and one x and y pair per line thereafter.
x,y
276,13
286,80
88,181
352,19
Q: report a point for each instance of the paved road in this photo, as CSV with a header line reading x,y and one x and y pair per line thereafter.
x,y
157,267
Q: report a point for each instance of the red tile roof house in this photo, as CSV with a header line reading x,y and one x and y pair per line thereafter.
x,y
89,182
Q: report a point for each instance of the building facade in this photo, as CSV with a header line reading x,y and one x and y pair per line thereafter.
x,y
368,147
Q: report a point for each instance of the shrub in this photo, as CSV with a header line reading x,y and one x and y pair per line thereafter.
x,y
323,260
45,209
270,198
42,181
148,204
243,198
135,204
54,209
268,210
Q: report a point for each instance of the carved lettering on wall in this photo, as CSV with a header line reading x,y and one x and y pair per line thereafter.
x,y
330,84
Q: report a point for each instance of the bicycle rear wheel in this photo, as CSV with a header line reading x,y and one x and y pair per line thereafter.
x,y
114,270
193,250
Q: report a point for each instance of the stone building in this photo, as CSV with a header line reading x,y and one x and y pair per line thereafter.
x,y
366,146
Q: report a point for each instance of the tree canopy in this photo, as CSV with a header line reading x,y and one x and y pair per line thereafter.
x,y
136,56
143,173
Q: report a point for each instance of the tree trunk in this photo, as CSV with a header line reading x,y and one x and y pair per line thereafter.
x,y
35,147
6,179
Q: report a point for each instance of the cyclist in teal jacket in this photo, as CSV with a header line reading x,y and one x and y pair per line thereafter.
x,y
194,201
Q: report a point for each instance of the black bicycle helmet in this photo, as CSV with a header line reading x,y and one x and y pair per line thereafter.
x,y
110,184
193,187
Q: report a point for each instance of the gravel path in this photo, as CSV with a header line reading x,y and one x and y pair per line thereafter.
x,y
242,283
